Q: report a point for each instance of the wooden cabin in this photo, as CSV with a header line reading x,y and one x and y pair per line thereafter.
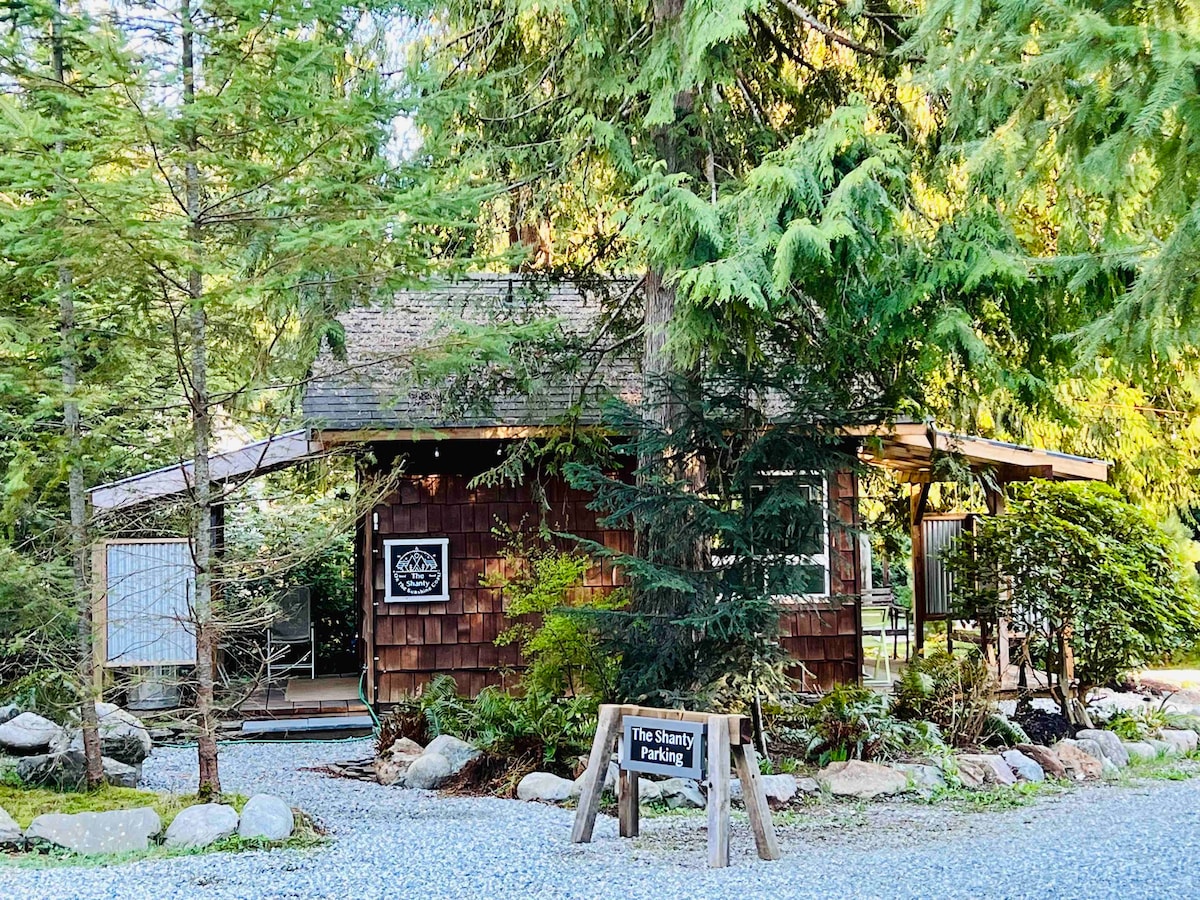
x,y
425,551
374,400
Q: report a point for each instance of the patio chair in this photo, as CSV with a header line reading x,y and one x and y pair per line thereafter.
x,y
293,629
875,622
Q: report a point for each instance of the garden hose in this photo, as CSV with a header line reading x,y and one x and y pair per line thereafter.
x,y
362,680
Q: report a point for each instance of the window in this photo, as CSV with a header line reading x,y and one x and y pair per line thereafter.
x,y
804,573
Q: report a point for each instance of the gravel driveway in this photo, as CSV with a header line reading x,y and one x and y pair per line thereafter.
x,y
1139,842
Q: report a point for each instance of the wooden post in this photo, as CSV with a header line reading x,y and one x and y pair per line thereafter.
x,y
917,499
755,797
729,741
627,803
718,792
607,728
997,505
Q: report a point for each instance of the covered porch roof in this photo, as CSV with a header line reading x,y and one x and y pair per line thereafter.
x,y
234,466
910,449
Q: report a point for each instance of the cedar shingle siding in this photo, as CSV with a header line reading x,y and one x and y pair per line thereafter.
x,y
373,389
414,641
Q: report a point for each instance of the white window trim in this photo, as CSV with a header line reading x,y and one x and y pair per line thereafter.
x,y
822,559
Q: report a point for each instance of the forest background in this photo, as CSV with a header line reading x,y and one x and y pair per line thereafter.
x,y
984,214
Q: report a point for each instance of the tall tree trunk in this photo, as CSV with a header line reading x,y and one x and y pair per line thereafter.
x,y
77,496
202,607
665,384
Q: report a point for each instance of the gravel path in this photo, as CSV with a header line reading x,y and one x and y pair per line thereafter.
x,y
1139,842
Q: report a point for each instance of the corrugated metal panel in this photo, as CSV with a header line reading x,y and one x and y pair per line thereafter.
x,y
936,535
149,590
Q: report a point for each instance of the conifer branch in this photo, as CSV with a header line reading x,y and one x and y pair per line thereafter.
x,y
807,17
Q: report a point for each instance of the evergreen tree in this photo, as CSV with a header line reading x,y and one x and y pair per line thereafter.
x,y
245,195
1084,115
58,65
705,632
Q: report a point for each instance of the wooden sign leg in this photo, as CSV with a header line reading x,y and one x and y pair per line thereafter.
x,y
607,728
718,792
756,802
627,803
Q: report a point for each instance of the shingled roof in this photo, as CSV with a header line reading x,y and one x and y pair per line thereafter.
x,y
379,386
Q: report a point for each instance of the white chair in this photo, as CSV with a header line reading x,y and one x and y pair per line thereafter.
x,y
875,627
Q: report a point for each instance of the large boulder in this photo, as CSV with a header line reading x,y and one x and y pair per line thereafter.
x,y
68,771
28,734
119,774
610,781
1110,745
1183,740
392,765
1046,758
10,831
1078,763
116,831
1139,750
779,789
456,752
855,778
544,786
978,770
1107,767
1024,767
428,771
199,826
123,737
649,791
681,792
921,777
266,816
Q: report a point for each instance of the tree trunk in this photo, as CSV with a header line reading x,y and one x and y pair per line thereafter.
x,y
664,382
77,496
197,390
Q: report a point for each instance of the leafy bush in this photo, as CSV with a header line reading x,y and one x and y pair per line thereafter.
x,y
1000,731
553,620
852,723
1148,721
551,731
1098,584
48,692
955,693
37,619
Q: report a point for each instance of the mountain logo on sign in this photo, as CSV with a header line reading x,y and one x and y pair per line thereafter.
x,y
416,561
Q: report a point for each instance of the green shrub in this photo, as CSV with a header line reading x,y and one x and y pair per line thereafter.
x,y
1098,584
955,693
999,730
37,618
47,692
852,723
1148,721
551,615
551,731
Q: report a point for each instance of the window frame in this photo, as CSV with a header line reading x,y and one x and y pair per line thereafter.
x,y
822,559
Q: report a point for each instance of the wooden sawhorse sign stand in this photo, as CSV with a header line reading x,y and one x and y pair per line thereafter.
x,y
676,750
